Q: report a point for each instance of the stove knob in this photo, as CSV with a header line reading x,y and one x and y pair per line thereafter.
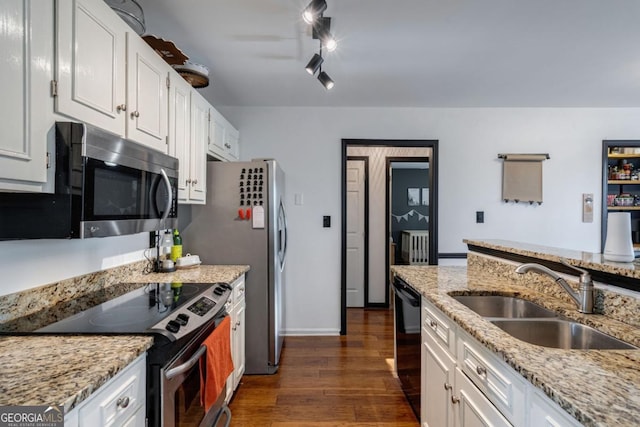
x,y
173,326
182,319
218,291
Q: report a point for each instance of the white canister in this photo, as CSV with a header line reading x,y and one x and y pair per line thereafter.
x,y
618,246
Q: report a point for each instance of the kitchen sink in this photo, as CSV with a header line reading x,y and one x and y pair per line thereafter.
x,y
503,306
559,333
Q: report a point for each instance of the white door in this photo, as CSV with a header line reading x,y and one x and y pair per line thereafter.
x,y
26,115
91,69
147,78
355,232
198,161
179,130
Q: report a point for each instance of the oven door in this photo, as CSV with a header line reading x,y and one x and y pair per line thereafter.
x,y
408,341
180,390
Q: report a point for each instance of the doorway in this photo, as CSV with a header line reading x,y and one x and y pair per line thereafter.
x,y
377,253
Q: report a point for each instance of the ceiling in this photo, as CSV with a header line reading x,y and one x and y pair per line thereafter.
x,y
412,53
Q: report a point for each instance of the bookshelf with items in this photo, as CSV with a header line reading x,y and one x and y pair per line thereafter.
x,y
621,184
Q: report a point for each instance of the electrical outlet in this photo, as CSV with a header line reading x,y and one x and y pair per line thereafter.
x,y
479,217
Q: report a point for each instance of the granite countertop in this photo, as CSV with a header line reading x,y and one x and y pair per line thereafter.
x,y
198,274
65,370
597,387
62,370
590,260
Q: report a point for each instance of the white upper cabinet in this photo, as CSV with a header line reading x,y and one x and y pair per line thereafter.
x,y
180,130
26,43
224,138
91,71
147,101
197,178
108,76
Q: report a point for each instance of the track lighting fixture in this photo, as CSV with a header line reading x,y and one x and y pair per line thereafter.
x,y
321,30
326,81
314,64
314,11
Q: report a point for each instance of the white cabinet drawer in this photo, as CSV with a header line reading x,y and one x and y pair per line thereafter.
x,y
118,399
502,385
238,290
439,326
546,413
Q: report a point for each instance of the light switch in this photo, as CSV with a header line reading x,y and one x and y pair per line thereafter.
x,y
298,199
587,207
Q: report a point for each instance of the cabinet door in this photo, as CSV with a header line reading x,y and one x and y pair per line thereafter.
x,y
546,413
239,342
473,408
27,114
232,144
91,69
147,81
437,377
217,136
179,129
198,161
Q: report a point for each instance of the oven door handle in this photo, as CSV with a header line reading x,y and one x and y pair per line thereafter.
x,y
181,369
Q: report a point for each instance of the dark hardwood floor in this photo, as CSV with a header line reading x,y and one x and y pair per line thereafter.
x,y
344,381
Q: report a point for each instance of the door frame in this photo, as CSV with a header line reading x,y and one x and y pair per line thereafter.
x,y
433,247
433,212
366,227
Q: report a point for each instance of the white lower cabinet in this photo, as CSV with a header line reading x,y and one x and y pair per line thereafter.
x,y
237,309
119,402
464,384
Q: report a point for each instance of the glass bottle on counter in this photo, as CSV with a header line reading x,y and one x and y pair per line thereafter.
x,y
176,249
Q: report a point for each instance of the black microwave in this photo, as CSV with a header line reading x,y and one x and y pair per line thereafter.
x,y
104,186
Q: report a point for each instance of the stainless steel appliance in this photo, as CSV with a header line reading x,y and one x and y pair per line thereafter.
x,y
104,186
179,317
244,222
408,341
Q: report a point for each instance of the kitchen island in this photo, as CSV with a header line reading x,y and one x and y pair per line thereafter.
x,y
596,387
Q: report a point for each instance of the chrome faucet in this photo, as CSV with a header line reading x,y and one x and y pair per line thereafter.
x,y
584,299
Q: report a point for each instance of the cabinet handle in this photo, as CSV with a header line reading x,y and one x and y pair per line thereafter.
x,y
455,400
188,182
433,324
194,182
121,107
481,370
135,114
123,402
447,386
238,323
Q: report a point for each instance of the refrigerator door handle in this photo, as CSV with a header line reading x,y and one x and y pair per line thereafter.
x,y
283,231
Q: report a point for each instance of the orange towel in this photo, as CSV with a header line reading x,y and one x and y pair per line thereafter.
x,y
218,365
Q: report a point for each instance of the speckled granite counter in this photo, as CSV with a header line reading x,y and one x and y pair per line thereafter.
x,y
598,388
65,370
589,260
62,370
199,274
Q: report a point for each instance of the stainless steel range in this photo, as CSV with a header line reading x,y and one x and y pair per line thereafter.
x,y
179,317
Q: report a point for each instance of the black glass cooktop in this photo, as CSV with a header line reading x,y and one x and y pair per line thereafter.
x,y
123,308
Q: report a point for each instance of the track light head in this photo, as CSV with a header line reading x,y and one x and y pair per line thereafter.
x,y
326,80
313,11
322,31
314,64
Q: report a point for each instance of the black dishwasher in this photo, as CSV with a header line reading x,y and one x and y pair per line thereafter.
x,y
408,341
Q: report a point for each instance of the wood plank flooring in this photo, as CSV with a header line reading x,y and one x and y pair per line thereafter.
x,y
344,381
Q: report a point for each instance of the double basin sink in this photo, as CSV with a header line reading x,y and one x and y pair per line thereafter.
x,y
529,322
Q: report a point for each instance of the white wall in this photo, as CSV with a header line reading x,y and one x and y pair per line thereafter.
x,y
307,142
27,264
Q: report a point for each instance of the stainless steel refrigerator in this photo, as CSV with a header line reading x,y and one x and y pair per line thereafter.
x,y
244,222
